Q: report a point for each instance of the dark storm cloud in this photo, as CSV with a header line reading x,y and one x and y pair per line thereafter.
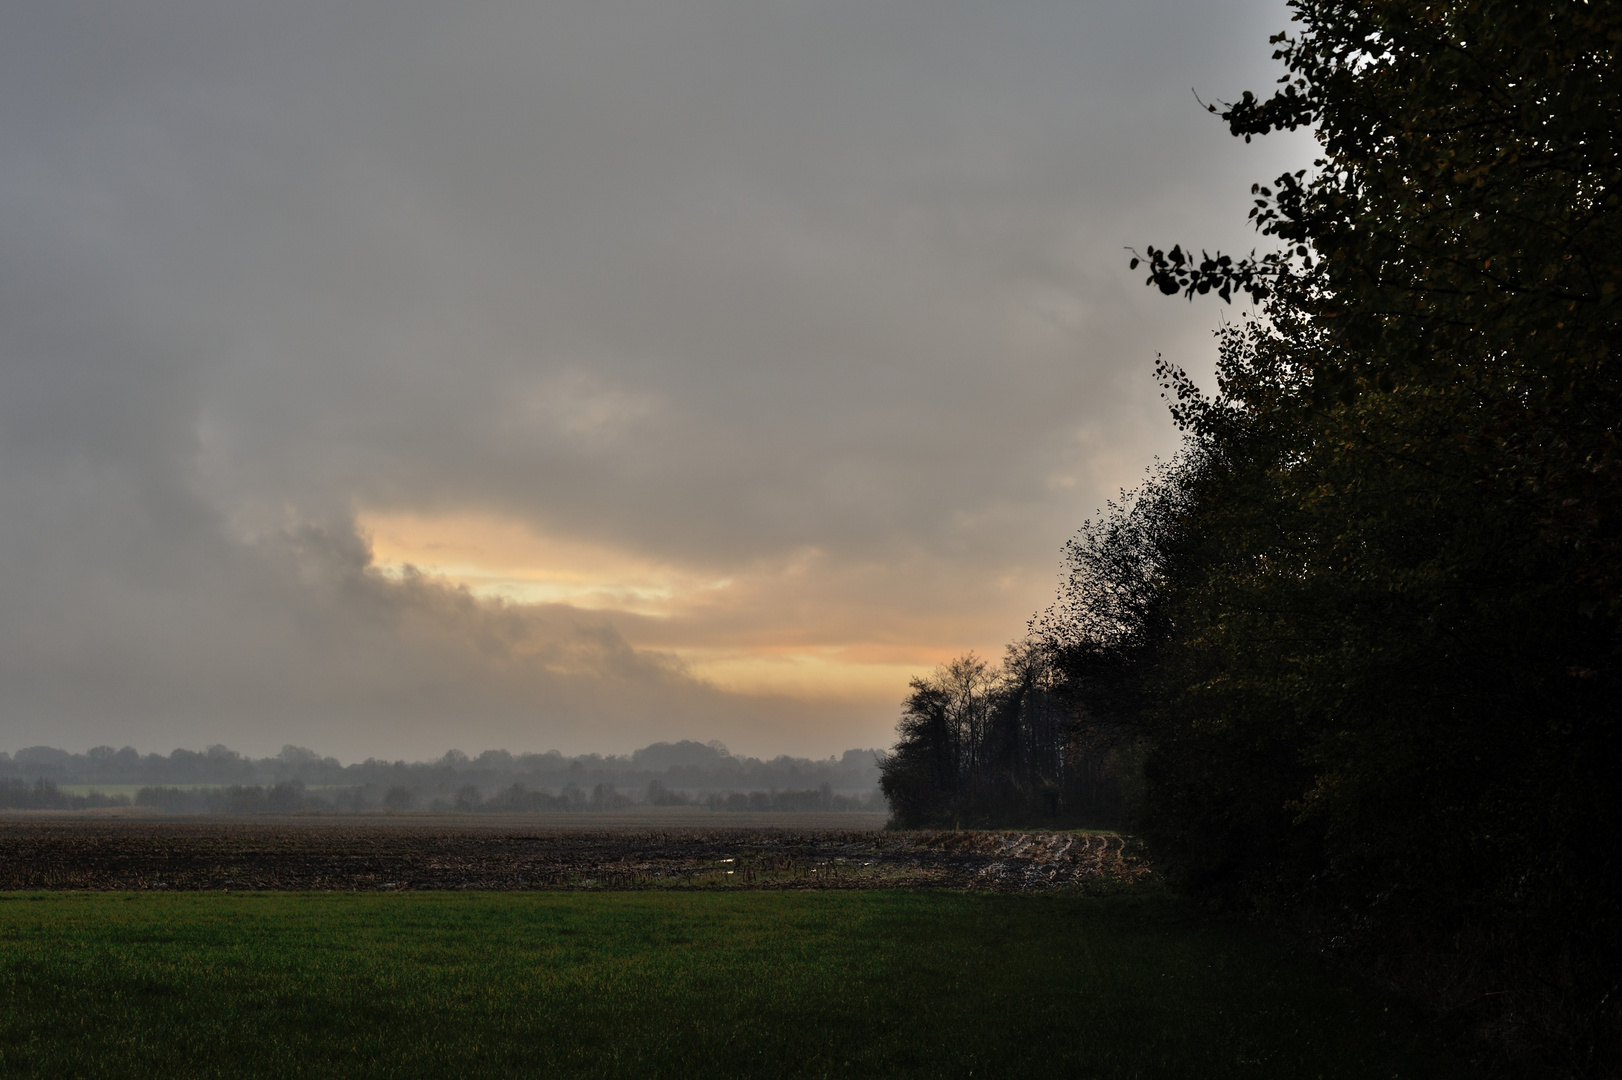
x,y
711,283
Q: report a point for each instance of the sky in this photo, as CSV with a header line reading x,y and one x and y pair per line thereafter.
x,y
387,376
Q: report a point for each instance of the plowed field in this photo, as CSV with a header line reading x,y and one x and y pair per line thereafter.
x,y
323,855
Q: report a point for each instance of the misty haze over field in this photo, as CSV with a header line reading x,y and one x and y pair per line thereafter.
x,y
220,780
392,375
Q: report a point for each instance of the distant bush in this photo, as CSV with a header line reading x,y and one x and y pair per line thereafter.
x,y
519,799
659,795
286,797
400,797
794,802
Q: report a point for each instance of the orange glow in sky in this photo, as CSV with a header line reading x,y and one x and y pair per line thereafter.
x,y
797,627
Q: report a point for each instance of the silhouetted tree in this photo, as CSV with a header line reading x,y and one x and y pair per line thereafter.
x,y
1379,659
982,746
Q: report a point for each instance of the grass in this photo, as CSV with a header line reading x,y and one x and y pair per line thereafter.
x,y
662,984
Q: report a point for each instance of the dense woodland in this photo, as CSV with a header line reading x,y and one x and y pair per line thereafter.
x,y
999,746
1358,643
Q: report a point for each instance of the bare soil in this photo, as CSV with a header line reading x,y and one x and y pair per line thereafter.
x,y
310,854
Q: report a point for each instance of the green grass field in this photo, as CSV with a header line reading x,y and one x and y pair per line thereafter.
x,y
672,984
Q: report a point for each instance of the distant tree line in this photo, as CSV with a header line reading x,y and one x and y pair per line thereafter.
x,y
220,781
291,796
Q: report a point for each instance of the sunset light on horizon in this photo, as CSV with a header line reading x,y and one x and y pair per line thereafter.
x,y
798,628
382,379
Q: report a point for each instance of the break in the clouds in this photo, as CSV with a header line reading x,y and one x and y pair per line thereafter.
x,y
389,376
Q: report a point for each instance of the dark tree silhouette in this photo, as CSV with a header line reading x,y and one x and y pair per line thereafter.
x,y
1374,658
981,746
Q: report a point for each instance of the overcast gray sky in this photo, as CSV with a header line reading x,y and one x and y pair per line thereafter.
x,y
385,377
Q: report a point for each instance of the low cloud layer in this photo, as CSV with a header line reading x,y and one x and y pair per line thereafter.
x,y
390,376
